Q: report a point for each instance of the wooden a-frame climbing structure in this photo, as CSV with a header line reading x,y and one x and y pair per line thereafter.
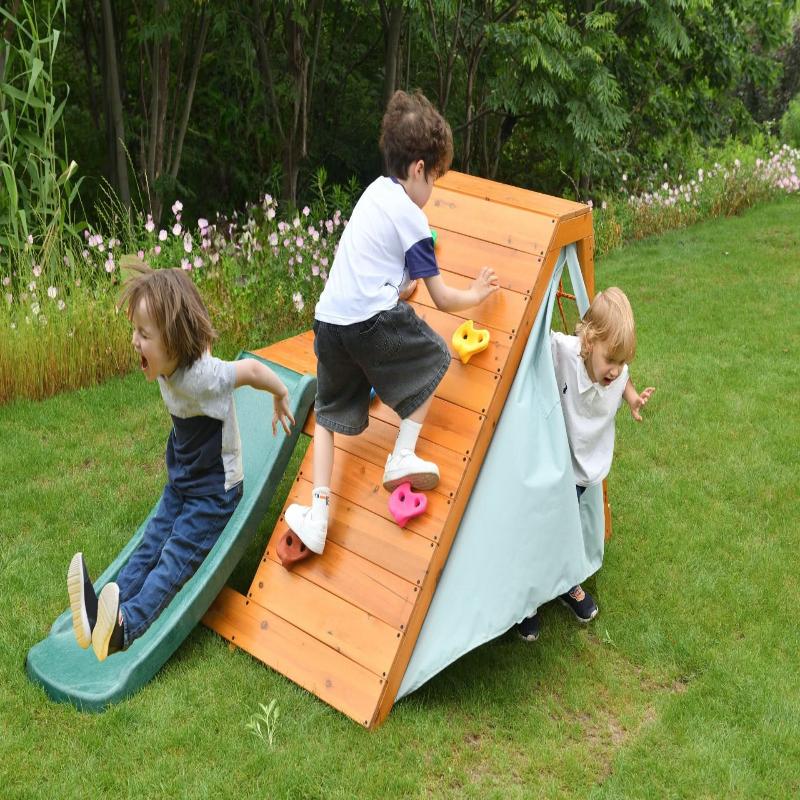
x,y
343,625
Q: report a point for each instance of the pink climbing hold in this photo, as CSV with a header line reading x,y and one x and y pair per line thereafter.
x,y
405,504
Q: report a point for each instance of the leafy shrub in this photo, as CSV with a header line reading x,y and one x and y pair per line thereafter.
x,y
790,123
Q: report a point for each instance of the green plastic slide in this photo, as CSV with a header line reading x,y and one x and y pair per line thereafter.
x,y
71,674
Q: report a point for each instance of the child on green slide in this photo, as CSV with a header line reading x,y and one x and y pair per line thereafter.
x,y
172,335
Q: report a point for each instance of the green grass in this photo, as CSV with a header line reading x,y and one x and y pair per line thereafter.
x,y
686,686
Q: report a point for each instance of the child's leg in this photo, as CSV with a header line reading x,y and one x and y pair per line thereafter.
x,y
145,557
310,523
404,464
197,527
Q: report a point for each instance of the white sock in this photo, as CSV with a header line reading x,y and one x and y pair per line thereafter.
x,y
407,436
319,503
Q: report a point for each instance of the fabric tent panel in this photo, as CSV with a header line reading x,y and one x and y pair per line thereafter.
x,y
524,538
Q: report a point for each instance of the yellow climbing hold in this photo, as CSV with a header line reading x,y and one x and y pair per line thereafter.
x,y
468,340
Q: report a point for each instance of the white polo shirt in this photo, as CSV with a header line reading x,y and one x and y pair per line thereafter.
x,y
589,410
386,242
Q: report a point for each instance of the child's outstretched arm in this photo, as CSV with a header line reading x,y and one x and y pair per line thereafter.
x,y
635,400
448,298
250,372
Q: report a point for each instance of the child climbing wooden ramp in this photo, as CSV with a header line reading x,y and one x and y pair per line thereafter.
x,y
344,624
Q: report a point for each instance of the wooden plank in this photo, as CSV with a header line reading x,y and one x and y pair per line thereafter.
x,y
492,358
510,195
492,222
572,230
342,626
502,310
462,254
375,538
360,482
377,441
356,580
468,386
448,425
331,676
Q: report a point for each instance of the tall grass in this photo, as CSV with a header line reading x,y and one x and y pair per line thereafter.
x,y
35,173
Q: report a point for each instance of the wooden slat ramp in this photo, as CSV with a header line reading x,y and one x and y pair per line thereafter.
x,y
343,625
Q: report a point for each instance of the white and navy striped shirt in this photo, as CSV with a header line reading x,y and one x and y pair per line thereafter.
x,y
386,242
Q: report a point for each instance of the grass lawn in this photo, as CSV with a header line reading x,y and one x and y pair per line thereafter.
x,y
686,685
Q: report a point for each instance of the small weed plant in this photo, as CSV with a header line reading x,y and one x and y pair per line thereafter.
x,y
262,724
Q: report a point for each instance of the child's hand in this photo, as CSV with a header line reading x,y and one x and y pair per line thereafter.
x,y
486,283
282,413
408,290
638,401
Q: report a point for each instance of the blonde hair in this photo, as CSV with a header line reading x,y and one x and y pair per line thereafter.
x,y
609,320
175,306
413,130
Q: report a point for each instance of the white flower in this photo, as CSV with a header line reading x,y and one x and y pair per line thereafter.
x,y
9,298
270,213
624,177
202,223
61,305
306,211
149,226
37,270
162,235
177,207
32,286
52,292
109,265
273,239
6,281
297,299
198,262
176,229
187,243
34,309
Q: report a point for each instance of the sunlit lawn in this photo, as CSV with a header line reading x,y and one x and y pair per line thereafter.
x,y
686,686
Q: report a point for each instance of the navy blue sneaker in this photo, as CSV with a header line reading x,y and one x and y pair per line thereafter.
x,y
82,600
581,604
108,634
529,628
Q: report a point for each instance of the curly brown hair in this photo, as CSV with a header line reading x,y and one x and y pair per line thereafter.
x,y
175,306
412,130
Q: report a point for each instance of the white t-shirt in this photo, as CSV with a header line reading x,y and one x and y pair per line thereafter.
x,y
589,410
386,242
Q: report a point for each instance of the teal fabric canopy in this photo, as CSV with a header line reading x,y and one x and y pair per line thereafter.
x,y
524,538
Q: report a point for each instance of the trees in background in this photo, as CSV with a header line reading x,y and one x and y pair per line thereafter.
x,y
216,101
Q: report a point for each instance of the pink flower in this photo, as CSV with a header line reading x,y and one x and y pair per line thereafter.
x,y
162,235
198,262
187,243
109,265
177,207
176,229
202,223
185,264
314,269
149,226
157,249
306,211
297,299
273,239
270,213
329,225
299,241
140,255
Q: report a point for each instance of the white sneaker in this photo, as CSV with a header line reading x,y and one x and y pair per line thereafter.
x,y
312,532
406,466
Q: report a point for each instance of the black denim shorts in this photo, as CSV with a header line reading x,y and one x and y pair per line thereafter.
x,y
394,352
